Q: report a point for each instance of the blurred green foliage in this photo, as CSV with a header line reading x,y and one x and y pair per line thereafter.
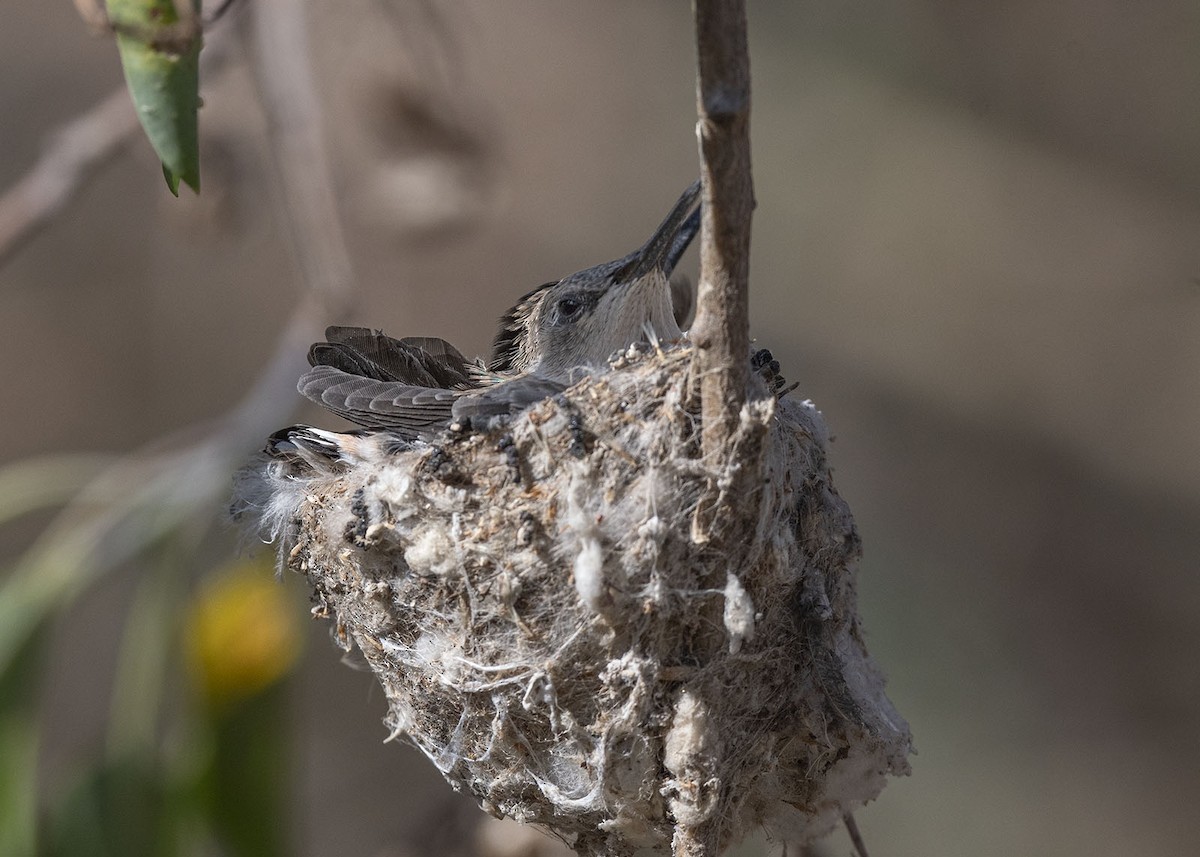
x,y
195,760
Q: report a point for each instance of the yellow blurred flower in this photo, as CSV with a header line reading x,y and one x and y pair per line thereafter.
x,y
242,633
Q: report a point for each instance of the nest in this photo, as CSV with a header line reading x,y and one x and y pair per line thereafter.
x,y
586,625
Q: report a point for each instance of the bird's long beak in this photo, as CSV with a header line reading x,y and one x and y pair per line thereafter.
x,y
668,242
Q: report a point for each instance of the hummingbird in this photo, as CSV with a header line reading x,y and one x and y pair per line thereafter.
x,y
402,390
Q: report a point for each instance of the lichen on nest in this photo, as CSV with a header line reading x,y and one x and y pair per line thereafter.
x,y
586,624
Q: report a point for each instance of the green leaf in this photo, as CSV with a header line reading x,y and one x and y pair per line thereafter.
x,y
19,749
161,59
244,783
117,808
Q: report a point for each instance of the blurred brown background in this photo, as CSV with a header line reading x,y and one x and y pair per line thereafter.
x,y
977,248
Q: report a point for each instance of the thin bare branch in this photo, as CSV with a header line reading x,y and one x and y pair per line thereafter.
x,y
721,331
76,152
72,155
860,847
288,94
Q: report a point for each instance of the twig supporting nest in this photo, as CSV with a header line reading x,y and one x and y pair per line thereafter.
x,y
535,604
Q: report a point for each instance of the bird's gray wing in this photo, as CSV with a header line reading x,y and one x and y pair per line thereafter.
x,y
435,347
407,409
422,361
505,399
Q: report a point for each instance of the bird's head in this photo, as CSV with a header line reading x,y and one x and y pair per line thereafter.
x,y
582,319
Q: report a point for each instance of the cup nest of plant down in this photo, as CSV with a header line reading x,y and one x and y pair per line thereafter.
x,y
587,625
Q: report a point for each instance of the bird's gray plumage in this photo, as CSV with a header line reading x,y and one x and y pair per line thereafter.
x,y
416,386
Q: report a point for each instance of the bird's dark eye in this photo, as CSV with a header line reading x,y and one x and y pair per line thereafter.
x,y
569,308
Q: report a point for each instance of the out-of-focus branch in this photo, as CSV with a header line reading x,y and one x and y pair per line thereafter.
x,y
72,155
143,497
75,153
287,90
721,332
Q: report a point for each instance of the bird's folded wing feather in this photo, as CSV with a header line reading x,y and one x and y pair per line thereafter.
x,y
412,411
422,361
504,399
404,408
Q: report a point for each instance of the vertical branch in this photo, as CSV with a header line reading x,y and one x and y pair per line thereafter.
x,y
721,332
